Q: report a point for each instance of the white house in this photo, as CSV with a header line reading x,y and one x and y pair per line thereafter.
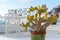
x,y
13,19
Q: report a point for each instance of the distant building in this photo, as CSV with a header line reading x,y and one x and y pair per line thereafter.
x,y
56,9
14,18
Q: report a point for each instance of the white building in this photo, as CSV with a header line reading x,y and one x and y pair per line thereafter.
x,y
13,19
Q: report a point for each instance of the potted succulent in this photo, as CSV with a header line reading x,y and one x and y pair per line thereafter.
x,y
39,23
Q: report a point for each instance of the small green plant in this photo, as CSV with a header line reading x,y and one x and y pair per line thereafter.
x,y
36,20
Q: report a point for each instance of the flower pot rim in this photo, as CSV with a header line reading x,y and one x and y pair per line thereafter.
x,y
37,32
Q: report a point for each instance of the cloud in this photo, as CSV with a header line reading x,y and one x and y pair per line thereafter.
x,y
3,0
25,0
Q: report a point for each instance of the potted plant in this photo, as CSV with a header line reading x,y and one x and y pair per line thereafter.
x,y
39,23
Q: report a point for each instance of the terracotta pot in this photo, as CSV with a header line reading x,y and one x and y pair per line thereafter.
x,y
38,35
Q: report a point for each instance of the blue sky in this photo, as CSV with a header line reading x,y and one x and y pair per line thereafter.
x,y
15,4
